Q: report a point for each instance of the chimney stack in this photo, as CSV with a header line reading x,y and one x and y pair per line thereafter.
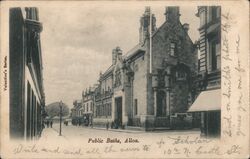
x,y
116,54
172,13
145,25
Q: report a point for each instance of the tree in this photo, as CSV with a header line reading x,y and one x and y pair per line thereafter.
x,y
53,109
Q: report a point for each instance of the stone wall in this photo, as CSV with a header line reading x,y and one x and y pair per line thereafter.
x,y
139,84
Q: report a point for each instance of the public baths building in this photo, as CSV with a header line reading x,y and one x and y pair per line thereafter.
x,y
150,86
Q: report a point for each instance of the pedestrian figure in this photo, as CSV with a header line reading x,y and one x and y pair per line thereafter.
x,y
47,122
43,126
51,123
107,125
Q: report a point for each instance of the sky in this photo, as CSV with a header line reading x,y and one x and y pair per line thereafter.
x,y
77,42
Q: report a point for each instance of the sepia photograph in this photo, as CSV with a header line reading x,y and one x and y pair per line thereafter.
x,y
124,79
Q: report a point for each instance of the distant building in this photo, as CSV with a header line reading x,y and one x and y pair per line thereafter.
x,y
150,87
77,110
88,105
208,82
27,99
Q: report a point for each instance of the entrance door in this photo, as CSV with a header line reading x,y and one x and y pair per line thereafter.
x,y
161,103
118,105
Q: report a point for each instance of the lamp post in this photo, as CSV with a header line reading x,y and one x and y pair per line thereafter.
x,y
60,131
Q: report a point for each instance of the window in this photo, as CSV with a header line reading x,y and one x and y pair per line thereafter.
x,y
181,75
29,96
218,62
213,13
214,55
202,18
105,109
173,49
117,78
135,107
109,109
218,12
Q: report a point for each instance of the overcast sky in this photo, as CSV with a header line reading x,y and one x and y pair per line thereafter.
x,y
77,43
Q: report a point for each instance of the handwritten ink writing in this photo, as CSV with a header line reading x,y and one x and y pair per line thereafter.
x,y
74,152
225,49
20,148
228,125
205,150
239,131
187,140
186,151
109,149
233,149
5,74
93,151
160,143
129,149
146,147
56,150
240,107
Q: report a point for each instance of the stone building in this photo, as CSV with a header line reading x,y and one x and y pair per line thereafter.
x,y
26,91
77,108
88,97
103,98
151,85
208,81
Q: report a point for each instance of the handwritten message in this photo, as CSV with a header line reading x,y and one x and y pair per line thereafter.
x,y
180,145
232,77
5,85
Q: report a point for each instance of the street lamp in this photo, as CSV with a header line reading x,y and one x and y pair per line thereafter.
x,y
60,131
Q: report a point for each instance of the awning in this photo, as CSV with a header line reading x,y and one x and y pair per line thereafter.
x,y
207,101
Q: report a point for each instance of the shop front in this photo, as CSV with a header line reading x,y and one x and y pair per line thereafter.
x,y
208,103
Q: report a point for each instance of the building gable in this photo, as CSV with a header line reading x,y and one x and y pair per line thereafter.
x,y
172,44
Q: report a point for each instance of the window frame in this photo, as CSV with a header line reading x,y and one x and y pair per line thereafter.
x,y
136,107
174,49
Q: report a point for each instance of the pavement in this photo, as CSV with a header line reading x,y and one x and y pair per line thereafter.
x,y
71,132
51,134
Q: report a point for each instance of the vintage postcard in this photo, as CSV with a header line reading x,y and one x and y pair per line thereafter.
x,y
124,79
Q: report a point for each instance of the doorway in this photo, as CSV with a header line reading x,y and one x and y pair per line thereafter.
x,y
118,106
161,104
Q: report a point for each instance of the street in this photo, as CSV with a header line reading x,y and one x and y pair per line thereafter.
x,y
74,133
79,141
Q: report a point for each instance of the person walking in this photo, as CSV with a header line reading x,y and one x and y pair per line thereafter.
x,y
47,123
51,123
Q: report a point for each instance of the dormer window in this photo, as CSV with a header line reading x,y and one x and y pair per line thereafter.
x,y
173,49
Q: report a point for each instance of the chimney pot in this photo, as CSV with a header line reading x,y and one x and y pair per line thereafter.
x,y
186,27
